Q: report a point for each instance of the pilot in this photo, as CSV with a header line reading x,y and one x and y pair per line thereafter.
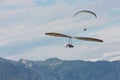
x,y
85,29
69,45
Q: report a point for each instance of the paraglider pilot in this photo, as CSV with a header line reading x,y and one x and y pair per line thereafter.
x,y
85,29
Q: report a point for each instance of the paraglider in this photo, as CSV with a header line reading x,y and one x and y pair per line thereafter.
x,y
69,44
85,11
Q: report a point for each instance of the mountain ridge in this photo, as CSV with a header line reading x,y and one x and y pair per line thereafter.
x,y
58,69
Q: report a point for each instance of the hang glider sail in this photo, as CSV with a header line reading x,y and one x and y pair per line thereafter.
x,y
79,38
58,35
88,39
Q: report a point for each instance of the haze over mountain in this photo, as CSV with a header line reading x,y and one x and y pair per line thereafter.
x,y
57,69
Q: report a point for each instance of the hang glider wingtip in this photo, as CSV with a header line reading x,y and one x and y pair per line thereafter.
x,y
58,35
89,39
102,41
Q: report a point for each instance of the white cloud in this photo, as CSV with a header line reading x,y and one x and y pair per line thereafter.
x,y
18,33
110,34
30,23
15,2
44,52
111,56
115,58
21,30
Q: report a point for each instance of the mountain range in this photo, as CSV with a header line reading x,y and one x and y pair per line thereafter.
x,y
57,69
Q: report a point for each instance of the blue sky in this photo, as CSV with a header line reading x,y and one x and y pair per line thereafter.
x,y
24,22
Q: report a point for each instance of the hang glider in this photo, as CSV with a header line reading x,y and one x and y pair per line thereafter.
x,y
70,38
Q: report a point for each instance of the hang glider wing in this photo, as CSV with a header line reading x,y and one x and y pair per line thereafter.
x,y
57,35
88,39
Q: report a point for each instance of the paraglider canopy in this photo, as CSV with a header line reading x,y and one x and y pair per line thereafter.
x,y
85,11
